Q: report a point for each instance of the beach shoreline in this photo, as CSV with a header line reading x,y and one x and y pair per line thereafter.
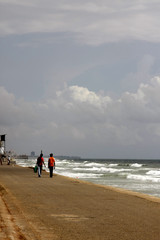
x,y
120,190
68,208
137,176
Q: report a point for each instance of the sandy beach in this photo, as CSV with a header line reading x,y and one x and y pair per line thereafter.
x,y
65,208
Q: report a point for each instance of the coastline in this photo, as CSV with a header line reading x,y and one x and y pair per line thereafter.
x,y
143,176
119,190
67,208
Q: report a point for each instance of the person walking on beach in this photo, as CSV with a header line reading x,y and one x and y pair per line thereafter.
x,y
51,164
1,160
9,160
40,162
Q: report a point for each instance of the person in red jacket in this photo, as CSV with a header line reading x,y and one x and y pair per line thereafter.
x,y
40,162
51,164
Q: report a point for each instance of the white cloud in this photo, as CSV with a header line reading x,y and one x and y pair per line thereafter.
x,y
76,118
93,22
82,94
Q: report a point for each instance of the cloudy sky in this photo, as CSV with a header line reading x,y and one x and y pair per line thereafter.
x,y
81,77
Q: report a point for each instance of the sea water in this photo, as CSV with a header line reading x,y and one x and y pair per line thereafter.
x,y
135,175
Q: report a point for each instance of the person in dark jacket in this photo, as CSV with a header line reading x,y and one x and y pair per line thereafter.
x,y
40,163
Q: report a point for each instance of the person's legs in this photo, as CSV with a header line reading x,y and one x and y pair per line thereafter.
x,y
51,171
39,171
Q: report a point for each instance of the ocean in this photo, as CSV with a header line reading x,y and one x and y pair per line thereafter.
x,y
135,175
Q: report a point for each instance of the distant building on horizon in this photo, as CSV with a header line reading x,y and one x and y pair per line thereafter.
x,y
32,154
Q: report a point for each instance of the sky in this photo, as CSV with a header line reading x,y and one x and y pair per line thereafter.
x,y
81,78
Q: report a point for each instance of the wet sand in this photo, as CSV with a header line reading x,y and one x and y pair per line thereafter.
x,y
65,208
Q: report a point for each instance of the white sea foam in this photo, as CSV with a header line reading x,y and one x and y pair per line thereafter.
x,y
143,178
94,164
80,175
102,170
62,162
113,165
22,165
154,172
136,165
114,170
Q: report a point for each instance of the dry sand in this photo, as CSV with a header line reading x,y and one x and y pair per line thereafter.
x,y
65,208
